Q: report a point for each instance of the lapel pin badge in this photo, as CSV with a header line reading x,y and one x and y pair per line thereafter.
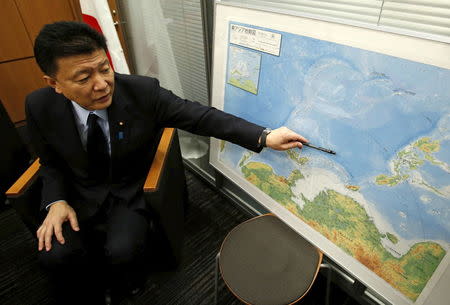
x,y
120,134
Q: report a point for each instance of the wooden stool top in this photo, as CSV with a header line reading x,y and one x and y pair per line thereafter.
x,y
263,261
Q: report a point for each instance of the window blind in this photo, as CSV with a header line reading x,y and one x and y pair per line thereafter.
x,y
365,11
422,18
185,28
167,42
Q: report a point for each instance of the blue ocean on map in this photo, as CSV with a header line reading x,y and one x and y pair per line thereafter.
x,y
371,109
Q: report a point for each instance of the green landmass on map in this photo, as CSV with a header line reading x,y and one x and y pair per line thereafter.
x,y
295,156
390,180
345,222
392,238
428,146
354,188
410,159
244,158
247,85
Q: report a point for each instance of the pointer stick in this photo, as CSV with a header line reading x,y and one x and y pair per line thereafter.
x,y
320,148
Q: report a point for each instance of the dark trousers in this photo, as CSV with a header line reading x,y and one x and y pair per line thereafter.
x,y
108,251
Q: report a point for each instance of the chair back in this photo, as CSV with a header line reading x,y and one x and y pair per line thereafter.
x,y
14,156
169,202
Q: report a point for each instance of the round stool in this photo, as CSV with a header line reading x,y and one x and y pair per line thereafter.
x,y
265,262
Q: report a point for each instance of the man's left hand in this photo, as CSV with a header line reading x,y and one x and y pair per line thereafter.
x,y
283,138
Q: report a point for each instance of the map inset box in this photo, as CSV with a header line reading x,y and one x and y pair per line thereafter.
x,y
243,69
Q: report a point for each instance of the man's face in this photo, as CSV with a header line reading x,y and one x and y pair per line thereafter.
x,y
86,79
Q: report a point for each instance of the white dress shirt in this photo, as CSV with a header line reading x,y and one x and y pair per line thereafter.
x,y
81,116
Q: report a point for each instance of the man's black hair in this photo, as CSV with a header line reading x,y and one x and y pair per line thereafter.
x,y
65,38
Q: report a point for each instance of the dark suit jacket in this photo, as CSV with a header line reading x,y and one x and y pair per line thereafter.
x,y
144,108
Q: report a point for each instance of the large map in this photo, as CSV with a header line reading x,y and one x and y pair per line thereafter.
x,y
384,197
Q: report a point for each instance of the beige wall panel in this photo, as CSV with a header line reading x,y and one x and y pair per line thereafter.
x,y
17,79
14,40
36,13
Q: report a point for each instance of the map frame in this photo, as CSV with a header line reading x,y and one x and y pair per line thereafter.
x,y
411,48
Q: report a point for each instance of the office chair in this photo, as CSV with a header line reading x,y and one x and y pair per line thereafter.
x,y
165,189
264,262
14,157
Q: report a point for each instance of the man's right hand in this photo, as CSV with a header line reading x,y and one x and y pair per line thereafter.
x,y
58,213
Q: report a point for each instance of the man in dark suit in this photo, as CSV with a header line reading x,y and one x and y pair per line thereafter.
x,y
92,129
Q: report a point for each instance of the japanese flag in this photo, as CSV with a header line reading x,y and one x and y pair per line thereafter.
x,y
96,13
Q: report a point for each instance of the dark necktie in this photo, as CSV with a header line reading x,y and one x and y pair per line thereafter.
x,y
97,149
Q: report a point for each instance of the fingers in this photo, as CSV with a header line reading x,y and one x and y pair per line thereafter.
x,y
290,145
44,235
73,221
283,138
292,136
58,234
48,238
302,139
52,225
40,237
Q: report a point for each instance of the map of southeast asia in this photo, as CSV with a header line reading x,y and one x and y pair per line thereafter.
x,y
384,197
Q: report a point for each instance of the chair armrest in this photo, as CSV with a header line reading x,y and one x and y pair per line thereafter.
x,y
156,169
24,181
151,183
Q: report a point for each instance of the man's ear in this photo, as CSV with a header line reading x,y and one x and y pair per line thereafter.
x,y
52,83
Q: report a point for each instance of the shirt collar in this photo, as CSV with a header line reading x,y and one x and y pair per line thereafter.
x,y
83,114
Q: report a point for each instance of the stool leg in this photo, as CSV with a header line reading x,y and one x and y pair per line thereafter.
x,y
216,278
328,286
327,300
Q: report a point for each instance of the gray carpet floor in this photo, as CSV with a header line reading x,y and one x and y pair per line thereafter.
x,y
209,218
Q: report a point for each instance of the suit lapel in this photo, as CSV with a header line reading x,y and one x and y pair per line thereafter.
x,y
68,128
119,123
